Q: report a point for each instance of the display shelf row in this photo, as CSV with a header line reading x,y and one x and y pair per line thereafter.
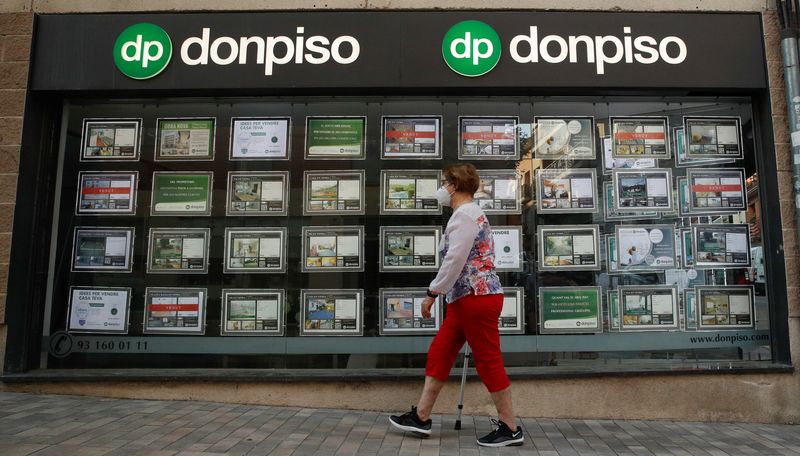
x,y
561,310
416,137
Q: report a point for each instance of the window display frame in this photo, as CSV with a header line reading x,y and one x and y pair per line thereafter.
x,y
607,159
179,230
520,262
598,292
137,148
517,194
284,200
519,327
406,229
165,213
71,308
665,172
437,142
287,146
567,173
386,176
416,292
134,190
612,122
357,228
641,328
201,318
707,210
465,156
363,142
158,157
308,178
570,155
126,269
699,291
700,265
540,233
649,268
224,318
740,143
611,215
358,293
229,237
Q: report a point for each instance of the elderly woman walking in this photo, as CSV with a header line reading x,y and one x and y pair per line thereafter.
x,y
475,298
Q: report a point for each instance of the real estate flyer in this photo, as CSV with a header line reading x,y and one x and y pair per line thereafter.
x,y
612,214
335,137
112,193
178,250
721,246
333,248
255,250
334,192
720,190
559,137
411,137
185,139
111,139
265,138
487,138
401,312
331,312
499,191
252,312
645,247
569,247
610,163
99,310
414,248
258,193
648,307
566,190
181,193
643,190
566,310
512,315
639,137
713,137
507,248
175,310
725,307
410,191
102,249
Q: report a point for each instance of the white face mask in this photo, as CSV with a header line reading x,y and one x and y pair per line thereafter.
x,y
443,196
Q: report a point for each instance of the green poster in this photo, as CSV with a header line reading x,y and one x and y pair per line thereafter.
x,y
185,139
570,309
328,137
181,193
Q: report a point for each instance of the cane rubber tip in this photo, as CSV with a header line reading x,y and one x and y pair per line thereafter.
x,y
458,425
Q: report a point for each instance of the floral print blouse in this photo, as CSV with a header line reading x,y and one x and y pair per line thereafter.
x,y
467,256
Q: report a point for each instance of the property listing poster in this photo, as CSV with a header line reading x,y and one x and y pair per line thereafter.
x,y
335,137
98,309
570,309
264,139
185,139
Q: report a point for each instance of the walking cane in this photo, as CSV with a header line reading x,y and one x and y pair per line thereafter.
x,y
463,383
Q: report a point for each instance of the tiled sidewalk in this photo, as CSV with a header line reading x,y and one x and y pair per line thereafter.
x,y
87,426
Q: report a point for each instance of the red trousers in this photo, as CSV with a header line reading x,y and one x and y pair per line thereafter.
x,y
473,319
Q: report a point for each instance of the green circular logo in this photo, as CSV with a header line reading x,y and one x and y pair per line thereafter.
x,y
142,51
471,48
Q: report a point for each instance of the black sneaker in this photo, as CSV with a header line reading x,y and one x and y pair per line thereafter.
x,y
502,436
410,422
